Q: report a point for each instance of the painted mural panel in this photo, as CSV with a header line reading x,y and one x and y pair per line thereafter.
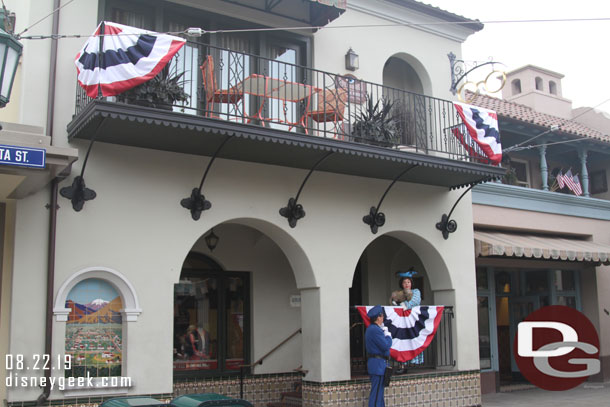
x,y
94,330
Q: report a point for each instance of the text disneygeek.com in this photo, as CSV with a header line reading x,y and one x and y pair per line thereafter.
x,y
61,383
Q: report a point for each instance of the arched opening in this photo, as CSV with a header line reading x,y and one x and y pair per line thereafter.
x,y
405,80
94,303
539,84
399,74
515,86
374,281
552,87
217,328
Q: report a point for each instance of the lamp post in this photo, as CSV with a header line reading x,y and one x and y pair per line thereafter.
x,y
10,51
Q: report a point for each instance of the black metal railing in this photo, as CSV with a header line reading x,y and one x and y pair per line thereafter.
x,y
438,354
222,84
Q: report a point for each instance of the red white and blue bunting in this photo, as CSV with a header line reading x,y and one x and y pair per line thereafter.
x,y
482,135
129,56
412,330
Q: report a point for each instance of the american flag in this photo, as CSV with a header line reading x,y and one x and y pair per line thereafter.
x,y
559,179
412,330
572,182
577,187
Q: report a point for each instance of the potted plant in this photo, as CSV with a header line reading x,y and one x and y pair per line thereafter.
x,y
161,92
375,123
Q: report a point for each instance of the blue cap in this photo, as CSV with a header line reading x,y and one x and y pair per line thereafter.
x,y
374,312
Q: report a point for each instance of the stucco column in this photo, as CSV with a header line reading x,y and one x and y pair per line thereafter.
x,y
584,173
544,171
325,325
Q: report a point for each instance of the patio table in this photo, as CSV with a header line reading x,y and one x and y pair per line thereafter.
x,y
267,87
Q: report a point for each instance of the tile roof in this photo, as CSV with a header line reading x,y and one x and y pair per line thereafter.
x,y
527,114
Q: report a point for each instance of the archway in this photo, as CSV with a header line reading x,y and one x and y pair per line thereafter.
x,y
405,82
235,303
375,278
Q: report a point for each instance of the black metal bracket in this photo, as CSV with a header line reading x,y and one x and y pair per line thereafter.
x,y
294,210
448,225
196,203
459,71
78,193
376,219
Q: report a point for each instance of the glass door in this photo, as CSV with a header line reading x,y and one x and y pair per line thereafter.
x,y
211,322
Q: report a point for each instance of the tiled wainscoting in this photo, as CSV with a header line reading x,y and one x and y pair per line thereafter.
x,y
258,390
451,389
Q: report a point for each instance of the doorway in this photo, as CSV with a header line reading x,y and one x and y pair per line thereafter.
x,y
211,318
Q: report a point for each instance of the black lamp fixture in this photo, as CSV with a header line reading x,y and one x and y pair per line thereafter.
x,y
211,240
10,51
352,60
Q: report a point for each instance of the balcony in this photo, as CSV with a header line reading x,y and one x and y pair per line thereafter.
x,y
438,355
285,114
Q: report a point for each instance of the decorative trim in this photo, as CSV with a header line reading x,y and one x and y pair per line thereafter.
x,y
416,14
131,309
99,109
515,197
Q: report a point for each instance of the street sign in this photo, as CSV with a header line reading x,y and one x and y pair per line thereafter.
x,y
22,156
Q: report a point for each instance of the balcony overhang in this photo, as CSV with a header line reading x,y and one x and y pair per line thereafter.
x,y
144,127
315,13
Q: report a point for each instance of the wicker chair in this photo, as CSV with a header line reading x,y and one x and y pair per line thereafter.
x,y
330,108
212,93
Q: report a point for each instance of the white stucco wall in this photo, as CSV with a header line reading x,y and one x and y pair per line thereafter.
x,y
426,45
137,227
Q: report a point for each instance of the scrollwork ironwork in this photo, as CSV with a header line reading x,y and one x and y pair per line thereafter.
x,y
460,70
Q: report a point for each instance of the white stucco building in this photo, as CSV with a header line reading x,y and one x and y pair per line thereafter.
x,y
135,263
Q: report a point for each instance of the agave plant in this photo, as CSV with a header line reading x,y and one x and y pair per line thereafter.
x,y
376,122
162,91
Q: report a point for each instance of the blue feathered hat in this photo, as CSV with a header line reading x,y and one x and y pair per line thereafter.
x,y
409,273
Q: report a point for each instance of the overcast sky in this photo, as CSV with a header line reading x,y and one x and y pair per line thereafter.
x,y
579,50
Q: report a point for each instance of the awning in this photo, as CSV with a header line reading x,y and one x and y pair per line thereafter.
x,y
539,247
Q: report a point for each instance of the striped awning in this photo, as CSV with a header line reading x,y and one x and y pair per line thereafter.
x,y
539,247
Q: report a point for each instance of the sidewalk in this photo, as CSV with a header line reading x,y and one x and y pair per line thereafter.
x,y
585,395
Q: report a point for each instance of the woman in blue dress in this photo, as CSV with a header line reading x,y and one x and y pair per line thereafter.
x,y
413,299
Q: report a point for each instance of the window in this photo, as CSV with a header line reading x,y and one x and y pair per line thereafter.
x,y
552,88
503,283
135,15
516,86
518,173
94,329
482,281
539,85
536,282
484,332
598,182
566,287
211,318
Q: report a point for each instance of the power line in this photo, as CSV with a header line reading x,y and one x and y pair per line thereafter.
x,y
42,19
298,28
517,147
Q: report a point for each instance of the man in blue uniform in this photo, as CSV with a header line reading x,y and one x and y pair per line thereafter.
x,y
378,341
